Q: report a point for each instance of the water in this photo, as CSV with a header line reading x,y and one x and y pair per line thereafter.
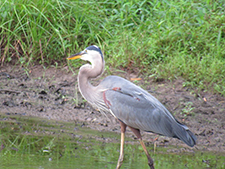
x,y
40,144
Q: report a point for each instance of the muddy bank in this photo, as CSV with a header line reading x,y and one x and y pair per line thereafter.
x,y
52,93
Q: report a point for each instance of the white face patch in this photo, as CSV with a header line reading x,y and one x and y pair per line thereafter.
x,y
91,56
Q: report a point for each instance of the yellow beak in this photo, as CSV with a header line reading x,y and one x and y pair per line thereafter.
x,y
76,56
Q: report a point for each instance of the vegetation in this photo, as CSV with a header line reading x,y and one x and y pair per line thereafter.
x,y
29,142
164,39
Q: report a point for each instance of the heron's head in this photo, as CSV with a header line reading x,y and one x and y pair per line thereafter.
x,y
92,53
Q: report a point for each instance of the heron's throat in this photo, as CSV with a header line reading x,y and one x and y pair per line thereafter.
x,y
86,73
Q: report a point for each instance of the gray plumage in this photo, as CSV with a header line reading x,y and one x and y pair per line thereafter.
x,y
130,104
139,109
126,101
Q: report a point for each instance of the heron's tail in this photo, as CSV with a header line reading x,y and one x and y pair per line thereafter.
x,y
183,133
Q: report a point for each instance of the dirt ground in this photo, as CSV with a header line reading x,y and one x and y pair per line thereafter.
x,y
52,93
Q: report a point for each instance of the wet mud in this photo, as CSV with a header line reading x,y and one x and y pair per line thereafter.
x,y
53,94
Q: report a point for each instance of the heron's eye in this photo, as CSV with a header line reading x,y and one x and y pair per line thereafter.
x,y
85,51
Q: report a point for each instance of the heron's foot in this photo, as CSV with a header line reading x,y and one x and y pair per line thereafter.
x,y
120,162
150,160
150,163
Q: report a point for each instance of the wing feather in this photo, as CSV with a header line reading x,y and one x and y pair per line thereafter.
x,y
139,109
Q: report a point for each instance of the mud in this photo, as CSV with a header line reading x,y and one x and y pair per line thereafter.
x,y
52,93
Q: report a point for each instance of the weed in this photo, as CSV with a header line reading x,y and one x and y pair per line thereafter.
x,y
187,110
169,39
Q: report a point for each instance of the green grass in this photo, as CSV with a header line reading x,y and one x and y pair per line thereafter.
x,y
164,39
29,142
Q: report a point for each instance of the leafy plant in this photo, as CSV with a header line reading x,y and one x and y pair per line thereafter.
x,y
187,110
170,39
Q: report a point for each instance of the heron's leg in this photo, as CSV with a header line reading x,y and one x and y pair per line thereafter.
x,y
123,130
138,134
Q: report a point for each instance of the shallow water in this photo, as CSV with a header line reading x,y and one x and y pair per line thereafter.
x,y
41,144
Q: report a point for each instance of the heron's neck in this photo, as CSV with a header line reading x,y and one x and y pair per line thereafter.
x,y
86,73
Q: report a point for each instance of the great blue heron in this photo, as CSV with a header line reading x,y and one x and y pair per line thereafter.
x,y
130,104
